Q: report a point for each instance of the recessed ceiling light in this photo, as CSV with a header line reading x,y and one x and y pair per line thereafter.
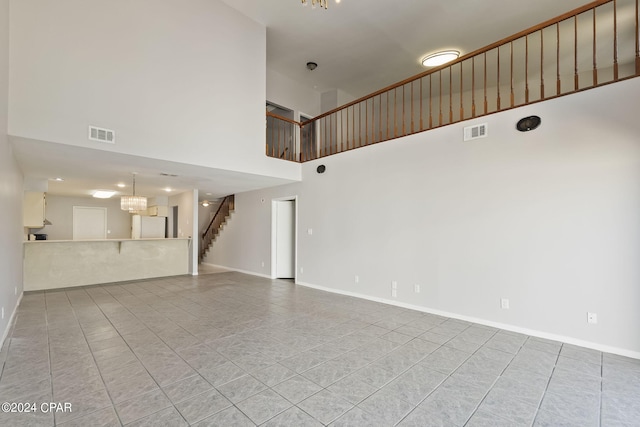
x,y
440,58
205,203
56,179
103,194
121,185
168,190
209,194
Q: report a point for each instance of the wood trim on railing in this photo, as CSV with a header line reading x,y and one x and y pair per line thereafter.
x,y
270,114
480,51
225,200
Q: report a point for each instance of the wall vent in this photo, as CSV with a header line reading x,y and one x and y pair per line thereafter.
x,y
476,131
102,135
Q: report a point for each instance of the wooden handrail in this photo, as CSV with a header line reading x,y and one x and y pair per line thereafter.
x,y
274,115
226,199
480,51
503,75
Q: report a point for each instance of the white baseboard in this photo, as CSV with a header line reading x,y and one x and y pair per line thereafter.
x,y
506,327
5,334
251,273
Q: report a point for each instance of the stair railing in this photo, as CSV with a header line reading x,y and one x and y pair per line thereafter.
x,y
219,219
588,47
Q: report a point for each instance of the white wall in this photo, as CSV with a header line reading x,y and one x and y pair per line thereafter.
x,y
547,219
177,80
188,223
11,231
334,99
288,93
59,211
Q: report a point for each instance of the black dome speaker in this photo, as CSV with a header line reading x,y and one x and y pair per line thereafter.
x,y
321,169
528,123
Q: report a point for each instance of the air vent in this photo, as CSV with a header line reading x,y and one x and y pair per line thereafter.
x,y
477,131
102,135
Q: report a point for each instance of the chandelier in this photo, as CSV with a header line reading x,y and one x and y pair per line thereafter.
x,y
133,204
321,3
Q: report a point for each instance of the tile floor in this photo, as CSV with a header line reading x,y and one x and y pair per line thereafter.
x,y
234,350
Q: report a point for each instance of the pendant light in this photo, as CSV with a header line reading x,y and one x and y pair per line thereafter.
x,y
133,204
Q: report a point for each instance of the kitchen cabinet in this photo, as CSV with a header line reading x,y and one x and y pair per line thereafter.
x,y
157,211
33,209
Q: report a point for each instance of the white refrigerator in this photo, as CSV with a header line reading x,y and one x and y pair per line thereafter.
x,y
148,227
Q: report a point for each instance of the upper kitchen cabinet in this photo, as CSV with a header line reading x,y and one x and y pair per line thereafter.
x,y
33,209
158,211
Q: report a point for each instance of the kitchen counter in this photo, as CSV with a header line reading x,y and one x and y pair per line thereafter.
x,y
53,264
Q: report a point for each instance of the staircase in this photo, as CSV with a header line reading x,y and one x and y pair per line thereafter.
x,y
215,226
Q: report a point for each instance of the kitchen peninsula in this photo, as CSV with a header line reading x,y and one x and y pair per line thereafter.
x,y
53,264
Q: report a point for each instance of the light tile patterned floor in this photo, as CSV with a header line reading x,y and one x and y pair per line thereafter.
x,y
234,350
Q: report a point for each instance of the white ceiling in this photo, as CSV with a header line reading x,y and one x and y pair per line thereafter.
x,y
85,170
360,46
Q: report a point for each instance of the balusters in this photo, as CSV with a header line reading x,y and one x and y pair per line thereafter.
x,y
612,55
542,63
558,84
576,83
615,40
595,38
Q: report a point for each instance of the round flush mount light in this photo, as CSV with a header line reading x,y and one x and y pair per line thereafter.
x,y
440,58
321,169
311,66
528,123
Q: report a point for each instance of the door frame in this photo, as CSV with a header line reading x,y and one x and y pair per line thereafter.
x,y
274,231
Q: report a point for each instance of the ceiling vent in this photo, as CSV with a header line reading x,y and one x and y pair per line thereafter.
x,y
477,131
102,135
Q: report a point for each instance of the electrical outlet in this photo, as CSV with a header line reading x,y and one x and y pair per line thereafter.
x,y
262,264
309,231
356,279
3,312
301,269
504,303
394,285
416,289
15,290
394,293
592,318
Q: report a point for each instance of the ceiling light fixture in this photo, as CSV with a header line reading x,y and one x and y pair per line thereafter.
x,y
168,190
322,3
440,58
133,204
121,185
103,194
205,203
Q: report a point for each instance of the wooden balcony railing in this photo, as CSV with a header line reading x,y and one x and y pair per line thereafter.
x,y
591,46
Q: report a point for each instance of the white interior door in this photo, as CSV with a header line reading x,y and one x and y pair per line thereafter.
x,y
89,223
285,211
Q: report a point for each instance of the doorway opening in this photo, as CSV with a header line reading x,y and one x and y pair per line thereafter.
x,y
281,139
171,230
284,238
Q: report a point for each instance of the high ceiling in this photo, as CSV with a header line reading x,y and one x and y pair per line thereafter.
x,y
360,46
